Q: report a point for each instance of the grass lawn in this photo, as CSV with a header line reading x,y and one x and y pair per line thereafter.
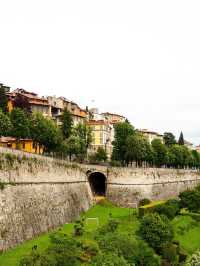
x,y
101,211
187,231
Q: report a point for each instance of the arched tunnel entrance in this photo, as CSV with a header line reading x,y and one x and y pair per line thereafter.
x,y
97,182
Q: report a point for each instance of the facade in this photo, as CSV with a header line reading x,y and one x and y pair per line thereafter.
x,y
197,148
57,106
151,135
26,145
36,103
189,145
102,126
101,135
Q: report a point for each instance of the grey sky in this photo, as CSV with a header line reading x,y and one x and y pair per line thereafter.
x,y
137,58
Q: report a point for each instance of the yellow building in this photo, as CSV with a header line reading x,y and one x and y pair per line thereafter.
x,y
26,145
101,135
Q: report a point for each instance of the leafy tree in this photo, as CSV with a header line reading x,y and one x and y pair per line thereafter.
x,y
137,147
3,99
45,132
22,102
101,154
5,124
181,139
67,123
122,132
20,124
109,259
83,134
160,152
169,139
73,146
190,199
156,230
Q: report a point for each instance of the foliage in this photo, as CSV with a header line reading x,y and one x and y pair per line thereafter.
x,y
181,139
109,259
122,132
194,260
110,227
79,227
149,208
45,132
99,156
169,139
170,254
22,102
83,135
3,99
190,199
5,124
67,123
137,147
170,208
144,201
20,123
160,152
156,230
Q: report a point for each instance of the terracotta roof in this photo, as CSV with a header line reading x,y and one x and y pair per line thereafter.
x,y
107,113
97,122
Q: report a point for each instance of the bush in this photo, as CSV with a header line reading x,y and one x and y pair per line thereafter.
x,y
79,227
149,208
156,230
109,259
170,254
166,209
190,199
144,201
194,260
110,227
114,163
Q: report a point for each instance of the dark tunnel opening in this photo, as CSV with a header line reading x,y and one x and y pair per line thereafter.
x,y
97,182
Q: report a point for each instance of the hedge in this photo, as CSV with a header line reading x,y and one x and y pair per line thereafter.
x,y
149,207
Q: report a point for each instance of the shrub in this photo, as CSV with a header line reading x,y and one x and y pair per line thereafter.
x,y
156,230
170,254
194,260
166,209
114,163
79,227
110,227
144,201
109,259
190,199
149,208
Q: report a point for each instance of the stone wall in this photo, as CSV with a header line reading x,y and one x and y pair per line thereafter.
x,y
126,186
39,195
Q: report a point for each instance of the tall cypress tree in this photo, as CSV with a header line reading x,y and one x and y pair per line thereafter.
x,y
67,123
181,139
3,99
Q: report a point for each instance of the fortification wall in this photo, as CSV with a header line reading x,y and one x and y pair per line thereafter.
x,y
129,185
37,196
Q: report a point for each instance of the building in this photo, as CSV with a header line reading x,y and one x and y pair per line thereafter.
x,y
102,126
151,135
197,148
189,145
36,103
101,135
57,106
26,145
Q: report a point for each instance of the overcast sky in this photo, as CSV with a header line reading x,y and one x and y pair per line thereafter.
x,y
137,58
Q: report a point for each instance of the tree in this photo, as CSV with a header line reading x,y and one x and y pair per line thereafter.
x,y
67,123
181,139
22,102
101,154
3,99
137,147
83,134
160,152
73,146
20,124
5,124
156,230
109,259
122,132
169,139
45,132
